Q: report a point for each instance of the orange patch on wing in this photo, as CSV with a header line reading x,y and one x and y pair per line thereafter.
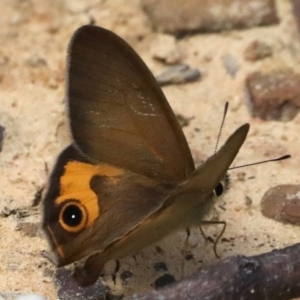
x,y
75,184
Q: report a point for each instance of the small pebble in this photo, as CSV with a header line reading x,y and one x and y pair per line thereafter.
x,y
189,256
126,275
193,239
164,48
6,212
28,228
2,130
160,266
257,50
183,121
20,296
78,6
208,16
248,201
241,176
282,203
164,280
274,95
230,64
53,84
35,61
47,272
178,74
296,11
17,19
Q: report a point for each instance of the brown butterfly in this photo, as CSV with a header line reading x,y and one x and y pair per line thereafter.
x,y
129,178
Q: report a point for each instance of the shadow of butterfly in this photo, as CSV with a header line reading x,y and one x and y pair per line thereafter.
x,y
129,178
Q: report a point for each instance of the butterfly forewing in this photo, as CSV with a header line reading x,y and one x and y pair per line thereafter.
x,y
118,113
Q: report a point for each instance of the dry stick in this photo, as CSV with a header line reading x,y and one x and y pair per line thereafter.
x,y
274,275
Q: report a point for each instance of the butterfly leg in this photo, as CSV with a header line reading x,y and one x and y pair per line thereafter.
x,y
116,270
188,233
202,232
218,237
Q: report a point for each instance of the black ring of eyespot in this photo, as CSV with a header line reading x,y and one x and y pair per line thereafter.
x,y
73,216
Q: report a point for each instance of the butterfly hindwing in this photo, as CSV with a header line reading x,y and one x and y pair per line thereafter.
x,y
185,206
107,202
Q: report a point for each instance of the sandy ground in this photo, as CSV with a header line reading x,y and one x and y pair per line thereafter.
x,y
34,36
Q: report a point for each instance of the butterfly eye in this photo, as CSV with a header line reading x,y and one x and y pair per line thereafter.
x,y
222,186
219,189
73,216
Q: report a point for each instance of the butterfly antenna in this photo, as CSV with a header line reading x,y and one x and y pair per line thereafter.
x,y
262,162
222,124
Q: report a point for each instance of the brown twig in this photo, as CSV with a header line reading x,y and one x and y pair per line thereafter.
x,y
274,275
